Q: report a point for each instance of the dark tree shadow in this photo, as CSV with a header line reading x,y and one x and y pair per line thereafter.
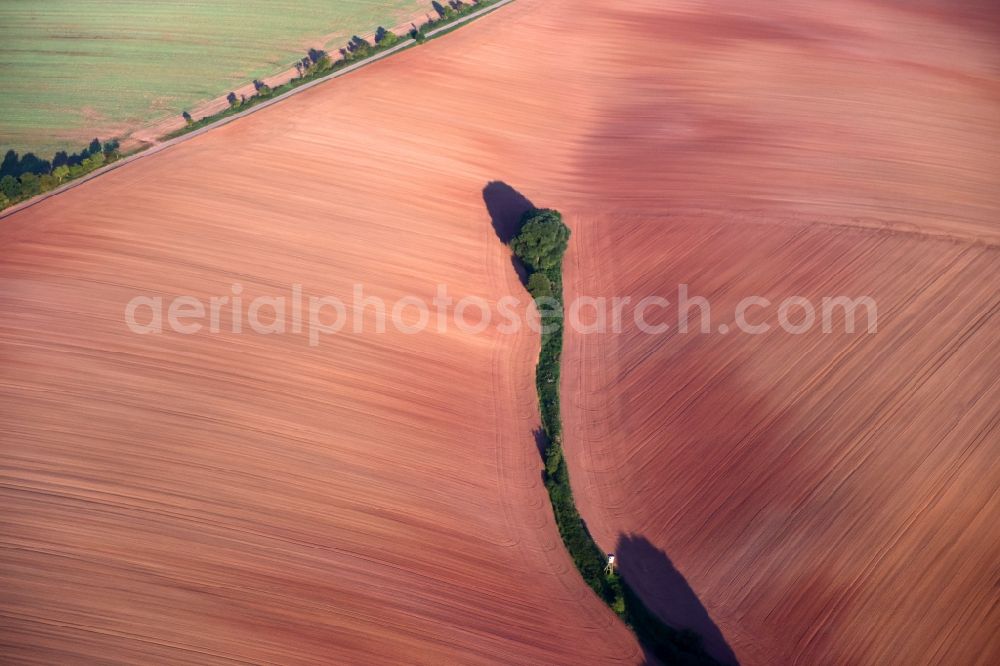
x,y
667,594
520,269
541,441
506,207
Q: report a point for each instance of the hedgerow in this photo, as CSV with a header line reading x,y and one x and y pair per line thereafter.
x,y
540,245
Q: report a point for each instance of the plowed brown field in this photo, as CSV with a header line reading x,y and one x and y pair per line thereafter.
x,y
830,499
209,498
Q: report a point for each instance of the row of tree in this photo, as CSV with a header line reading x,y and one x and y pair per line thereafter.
x,y
26,175
318,61
451,9
12,165
540,245
447,11
315,62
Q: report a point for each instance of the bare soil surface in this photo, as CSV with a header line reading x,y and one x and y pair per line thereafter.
x,y
829,498
826,499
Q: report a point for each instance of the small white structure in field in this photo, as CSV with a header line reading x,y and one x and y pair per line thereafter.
x,y
610,569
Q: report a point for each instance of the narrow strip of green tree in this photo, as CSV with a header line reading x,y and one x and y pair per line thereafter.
x,y
448,12
540,245
318,64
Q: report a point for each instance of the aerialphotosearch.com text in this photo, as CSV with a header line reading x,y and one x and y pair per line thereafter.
x,y
313,316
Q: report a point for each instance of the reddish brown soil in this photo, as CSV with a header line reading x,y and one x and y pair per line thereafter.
x,y
828,499
827,496
208,498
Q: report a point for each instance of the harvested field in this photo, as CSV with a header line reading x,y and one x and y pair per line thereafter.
x,y
826,498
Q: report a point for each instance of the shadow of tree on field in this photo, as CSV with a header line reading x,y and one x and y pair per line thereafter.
x,y
541,442
669,619
667,595
506,206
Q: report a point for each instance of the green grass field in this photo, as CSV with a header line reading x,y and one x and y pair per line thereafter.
x,y
73,69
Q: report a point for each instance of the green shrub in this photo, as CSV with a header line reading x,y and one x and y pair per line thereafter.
x,y
539,286
29,185
542,240
10,187
385,38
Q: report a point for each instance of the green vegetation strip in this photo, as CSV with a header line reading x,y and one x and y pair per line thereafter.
x,y
540,245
